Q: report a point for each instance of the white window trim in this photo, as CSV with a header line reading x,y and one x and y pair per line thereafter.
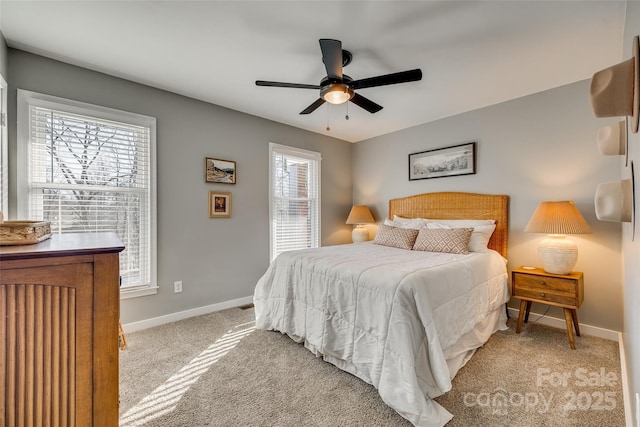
x,y
306,154
27,98
4,150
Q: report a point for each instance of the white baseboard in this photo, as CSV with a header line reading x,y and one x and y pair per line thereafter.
x,y
173,317
626,391
561,324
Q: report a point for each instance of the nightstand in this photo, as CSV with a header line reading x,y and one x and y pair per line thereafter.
x,y
561,290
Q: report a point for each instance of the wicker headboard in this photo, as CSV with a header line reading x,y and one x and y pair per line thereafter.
x,y
451,205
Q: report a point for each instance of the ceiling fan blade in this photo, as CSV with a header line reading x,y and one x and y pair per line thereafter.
x,y
313,107
332,57
292,85
366,103
388,79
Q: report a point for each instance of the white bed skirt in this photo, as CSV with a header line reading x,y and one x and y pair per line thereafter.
x,y
460,353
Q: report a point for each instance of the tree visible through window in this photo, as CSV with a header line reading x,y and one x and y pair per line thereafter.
x,y
89,174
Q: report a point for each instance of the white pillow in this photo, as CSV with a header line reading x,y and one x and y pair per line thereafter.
x,y
479,237
462,223
414,223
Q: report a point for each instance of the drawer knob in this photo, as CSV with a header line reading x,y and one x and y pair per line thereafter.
x,y
542,294
542,282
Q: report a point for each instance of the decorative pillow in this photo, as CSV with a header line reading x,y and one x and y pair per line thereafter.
x,y
396,237
479,237
453,240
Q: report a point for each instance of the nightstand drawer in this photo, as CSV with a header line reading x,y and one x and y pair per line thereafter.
x,y
525,281
547,295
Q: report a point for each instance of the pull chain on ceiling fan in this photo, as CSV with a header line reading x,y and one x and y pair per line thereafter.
x,y
346,116
338,88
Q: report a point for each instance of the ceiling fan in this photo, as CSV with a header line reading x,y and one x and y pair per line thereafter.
x,y
338,88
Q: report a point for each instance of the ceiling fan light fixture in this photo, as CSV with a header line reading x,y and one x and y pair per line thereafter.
x,y
338,88
336,93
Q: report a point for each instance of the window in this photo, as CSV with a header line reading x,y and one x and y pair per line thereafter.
x,y
294,199
90,169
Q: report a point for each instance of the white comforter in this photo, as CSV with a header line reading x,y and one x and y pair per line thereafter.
x,y
389,316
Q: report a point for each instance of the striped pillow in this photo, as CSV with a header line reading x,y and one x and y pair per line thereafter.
x,y
402,238
453,241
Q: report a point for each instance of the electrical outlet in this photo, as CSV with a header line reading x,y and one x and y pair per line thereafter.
x,y
177,286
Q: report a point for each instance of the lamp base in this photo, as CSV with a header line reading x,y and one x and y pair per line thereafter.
x,y
558,254
359,234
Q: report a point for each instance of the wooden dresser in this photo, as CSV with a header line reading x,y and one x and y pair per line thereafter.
x,y
59,311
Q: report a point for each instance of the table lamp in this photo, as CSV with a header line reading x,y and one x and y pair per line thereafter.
x,y
360,215
557,253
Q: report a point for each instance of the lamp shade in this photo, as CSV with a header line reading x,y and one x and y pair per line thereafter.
x,y
558,254
557,218
360,214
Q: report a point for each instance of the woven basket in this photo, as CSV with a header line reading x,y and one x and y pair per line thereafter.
x,y
24,232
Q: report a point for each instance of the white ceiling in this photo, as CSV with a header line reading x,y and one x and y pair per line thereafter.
x,y
472,53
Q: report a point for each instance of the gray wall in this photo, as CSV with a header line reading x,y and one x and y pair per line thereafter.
x,y
217,259
631,248
535,148
3,57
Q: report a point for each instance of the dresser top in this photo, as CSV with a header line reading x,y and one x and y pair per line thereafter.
x,y
65,245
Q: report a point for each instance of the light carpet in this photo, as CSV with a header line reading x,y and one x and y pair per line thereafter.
x,y
217,370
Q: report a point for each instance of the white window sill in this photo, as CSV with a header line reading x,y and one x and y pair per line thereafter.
x,y
139,292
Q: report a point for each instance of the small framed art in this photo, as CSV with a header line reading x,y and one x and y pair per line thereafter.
x,y
219,204
441,162
219,171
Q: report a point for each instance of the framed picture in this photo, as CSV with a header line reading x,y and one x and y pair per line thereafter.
x,y
219,204
219,171
440,162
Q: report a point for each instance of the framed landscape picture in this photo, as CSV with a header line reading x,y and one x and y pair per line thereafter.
x,y
441,162
220,171
219,204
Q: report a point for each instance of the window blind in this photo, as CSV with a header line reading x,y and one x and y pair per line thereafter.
x,y
294,199
87,174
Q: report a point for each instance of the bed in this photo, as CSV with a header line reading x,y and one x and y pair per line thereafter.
x,y
402,320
